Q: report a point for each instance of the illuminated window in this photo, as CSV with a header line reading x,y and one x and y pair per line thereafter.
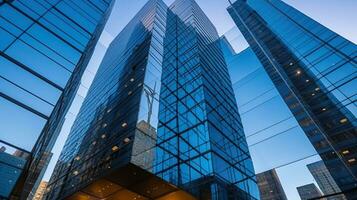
x,y
115,148
291,64
130,92
307,80
345,152
105,125
124,125
313,94
324,109
77,158
352,160
298,72
103,136
317,89
132,80
344,120
75,173
126,140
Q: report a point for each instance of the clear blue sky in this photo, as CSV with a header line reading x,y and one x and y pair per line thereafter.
x,y
338,15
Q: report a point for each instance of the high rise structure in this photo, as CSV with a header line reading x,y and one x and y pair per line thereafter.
x,y
40,191
269,186
313,69
160,120
324,180
44,49
309,191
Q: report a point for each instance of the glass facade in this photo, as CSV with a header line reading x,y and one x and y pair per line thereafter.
x,y
269,186
161,103
324,180
201,143
44,48
314,70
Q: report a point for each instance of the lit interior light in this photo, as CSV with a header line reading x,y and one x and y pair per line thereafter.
x,y
126,140
103,136
75,173
132,80
105,125
313,94
317,89
77,158
345,152
344,120
130,92
115,148
324,109
307,80
108,111
352,160
124,125
140,84
94,142
298,72
291,64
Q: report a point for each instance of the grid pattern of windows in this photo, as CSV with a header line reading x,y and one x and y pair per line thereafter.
x,y
163,101
201,144
314,70
44,48
119,130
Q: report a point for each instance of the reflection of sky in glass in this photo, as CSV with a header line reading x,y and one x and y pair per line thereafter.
x,y
273,135
287,146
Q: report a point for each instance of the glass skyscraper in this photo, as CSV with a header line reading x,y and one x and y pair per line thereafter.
x,y
314,70
309,191
44,49
160,120
269,186
324,180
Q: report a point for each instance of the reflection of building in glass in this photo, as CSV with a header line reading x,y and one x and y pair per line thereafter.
x,y
314,70
40,191
324,180
160,120
44,49
269,186
144,146
309,191
10,170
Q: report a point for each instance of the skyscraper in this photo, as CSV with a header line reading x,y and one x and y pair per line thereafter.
x,y
313,69
269,186
160,120
40,191
44,49
325,181
309,191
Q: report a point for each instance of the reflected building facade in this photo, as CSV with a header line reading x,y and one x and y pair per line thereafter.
x,y
313,69
165,122
269,186
309,191
324,180
44,49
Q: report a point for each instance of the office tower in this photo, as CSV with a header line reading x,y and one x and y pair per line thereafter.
x,y
309,191
44,49
324,180
201,142
269,186
313,69
160,119
40,191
